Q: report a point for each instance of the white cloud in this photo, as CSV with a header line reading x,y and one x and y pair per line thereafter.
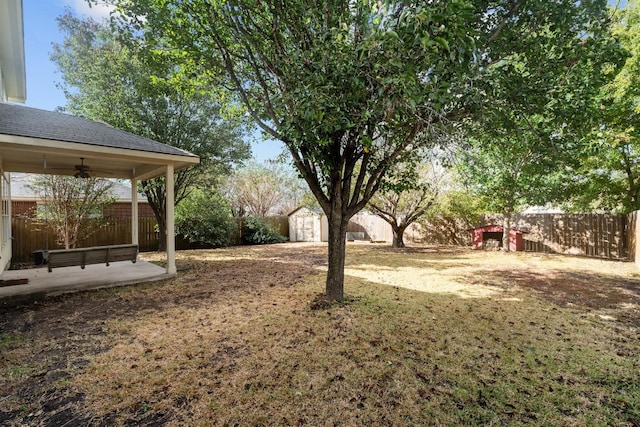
x,y
96,11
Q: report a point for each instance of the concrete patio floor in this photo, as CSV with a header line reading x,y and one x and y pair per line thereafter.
x,y
70,279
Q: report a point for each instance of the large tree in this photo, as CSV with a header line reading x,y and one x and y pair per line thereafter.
x,y
608,176
541,66
406,197
257,189
509,171
347,86
108,81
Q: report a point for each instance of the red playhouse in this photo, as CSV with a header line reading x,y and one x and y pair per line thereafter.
x,y
490,237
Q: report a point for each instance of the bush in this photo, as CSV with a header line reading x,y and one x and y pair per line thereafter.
x,y
257,231
205,217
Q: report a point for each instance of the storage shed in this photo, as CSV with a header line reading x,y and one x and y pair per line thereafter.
x,y
490,237
306,225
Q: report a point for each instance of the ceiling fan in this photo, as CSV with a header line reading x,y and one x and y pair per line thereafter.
x,y
82,170
79,171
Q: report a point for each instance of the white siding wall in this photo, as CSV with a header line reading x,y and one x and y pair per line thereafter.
x,y
5,225
307,226
3,93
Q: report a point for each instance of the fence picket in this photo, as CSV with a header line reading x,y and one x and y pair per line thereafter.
x,y
593,235
30,235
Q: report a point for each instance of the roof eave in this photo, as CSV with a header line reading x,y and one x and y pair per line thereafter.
x,y
155,163
12,55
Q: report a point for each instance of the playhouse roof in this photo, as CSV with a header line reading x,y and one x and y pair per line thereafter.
x,y
494,228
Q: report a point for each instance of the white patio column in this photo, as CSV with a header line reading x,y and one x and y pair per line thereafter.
x,y
171,238
134,211
3,214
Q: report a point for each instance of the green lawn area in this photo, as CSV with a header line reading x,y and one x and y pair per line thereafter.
x,y
427,336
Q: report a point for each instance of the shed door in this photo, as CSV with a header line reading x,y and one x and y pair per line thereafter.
x,y
307,228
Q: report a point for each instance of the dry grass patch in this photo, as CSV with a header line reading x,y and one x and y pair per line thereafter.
x,y
428,336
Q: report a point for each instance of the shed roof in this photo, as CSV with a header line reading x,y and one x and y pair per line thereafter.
x,y
305,209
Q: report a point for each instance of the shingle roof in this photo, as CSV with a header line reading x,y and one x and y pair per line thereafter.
x,y
18,120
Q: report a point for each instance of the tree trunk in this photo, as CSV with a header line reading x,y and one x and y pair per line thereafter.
x,y
337,250
398,236
156,197
67,238
162,232
506,232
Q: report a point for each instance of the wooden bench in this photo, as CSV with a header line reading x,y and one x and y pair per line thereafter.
x,y
91,255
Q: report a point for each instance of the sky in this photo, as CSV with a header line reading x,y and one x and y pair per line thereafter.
x,y
41,31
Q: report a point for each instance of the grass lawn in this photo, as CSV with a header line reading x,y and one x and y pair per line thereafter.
x,y
427,336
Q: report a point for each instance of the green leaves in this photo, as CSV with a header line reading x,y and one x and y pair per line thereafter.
x,y
73,207
129,78
607,177
442,42
205,218
540,67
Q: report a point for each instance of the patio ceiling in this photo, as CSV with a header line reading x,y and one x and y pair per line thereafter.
x,y
38,141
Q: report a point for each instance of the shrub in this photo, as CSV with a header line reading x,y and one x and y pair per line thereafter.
x,y
257,231
205,217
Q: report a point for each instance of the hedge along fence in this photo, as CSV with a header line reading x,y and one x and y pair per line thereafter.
x,y
591,235
278,223
30,235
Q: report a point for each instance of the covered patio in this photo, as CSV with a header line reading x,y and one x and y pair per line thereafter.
x,y
38,141
72,279
46,142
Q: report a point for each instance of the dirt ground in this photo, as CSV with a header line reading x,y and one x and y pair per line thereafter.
x,y
60,335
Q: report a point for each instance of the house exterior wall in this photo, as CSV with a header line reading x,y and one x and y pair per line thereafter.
x,y
27,209
5,228
3,93
123,210
23,208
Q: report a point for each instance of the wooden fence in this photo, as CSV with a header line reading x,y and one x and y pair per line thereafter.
x,y
30,235
591,235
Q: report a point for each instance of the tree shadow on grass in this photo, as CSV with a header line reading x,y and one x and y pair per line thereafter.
x,y
584,290
50,339
587,290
